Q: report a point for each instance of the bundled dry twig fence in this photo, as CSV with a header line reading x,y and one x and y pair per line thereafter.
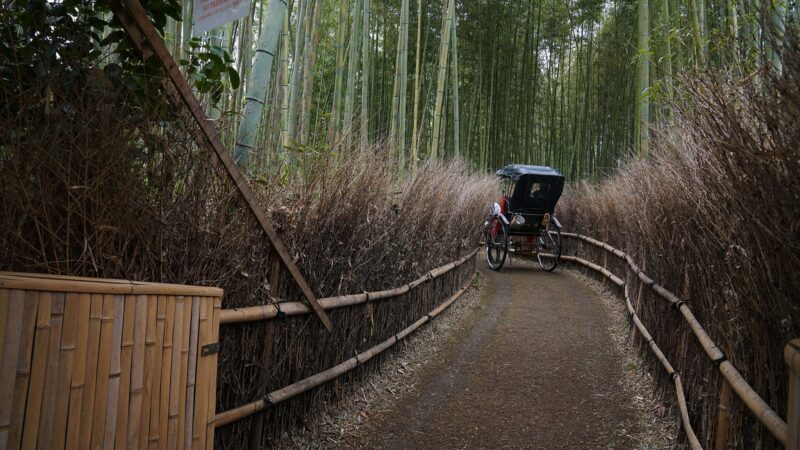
x,y
732,378
714,216
100,181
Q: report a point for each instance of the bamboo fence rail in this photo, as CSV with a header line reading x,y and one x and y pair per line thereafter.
x,y
769,418
234,316
267,312
90,363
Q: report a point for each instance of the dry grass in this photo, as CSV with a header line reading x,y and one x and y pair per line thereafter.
x,y
98,181
714,215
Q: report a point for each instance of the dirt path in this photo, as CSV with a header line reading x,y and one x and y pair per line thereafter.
x,y
533,367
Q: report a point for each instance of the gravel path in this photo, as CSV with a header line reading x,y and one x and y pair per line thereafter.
x,y
535,367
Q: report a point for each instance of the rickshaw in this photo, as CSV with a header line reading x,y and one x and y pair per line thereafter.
x,y
524,223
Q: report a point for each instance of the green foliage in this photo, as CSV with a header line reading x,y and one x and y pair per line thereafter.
x,y
207,68
43,39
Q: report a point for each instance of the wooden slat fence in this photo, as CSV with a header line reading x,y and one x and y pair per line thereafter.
x,y
98,363
786,434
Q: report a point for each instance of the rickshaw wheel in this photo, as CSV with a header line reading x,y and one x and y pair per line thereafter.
x,y
548,250
496,244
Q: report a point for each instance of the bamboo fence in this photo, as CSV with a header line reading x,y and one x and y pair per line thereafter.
x,y
733,381
91,363
270,312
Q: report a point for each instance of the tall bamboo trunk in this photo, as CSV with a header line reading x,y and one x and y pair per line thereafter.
x,y
456,117
417,57
352,71
308,72
258,82
365,69
440,85
297,72
338,84
403,94
644,78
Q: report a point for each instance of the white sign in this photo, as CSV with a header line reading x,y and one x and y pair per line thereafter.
x,y
209,14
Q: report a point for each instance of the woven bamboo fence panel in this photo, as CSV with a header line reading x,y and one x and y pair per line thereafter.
x,y
91,363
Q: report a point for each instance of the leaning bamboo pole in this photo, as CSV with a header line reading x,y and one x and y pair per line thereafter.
x,y
440,85
268,312
318,379
768,417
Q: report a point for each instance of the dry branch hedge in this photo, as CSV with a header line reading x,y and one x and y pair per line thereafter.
x,y
101,179
713,216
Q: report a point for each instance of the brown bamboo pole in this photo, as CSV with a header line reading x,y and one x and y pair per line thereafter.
x,y
90,382
120,429
149,371
166,373
313,381
114,371
267,312
51,379
33,405
23,369
723,416
103,368
191,374
212,389
776,426
153,434
77,385
791,354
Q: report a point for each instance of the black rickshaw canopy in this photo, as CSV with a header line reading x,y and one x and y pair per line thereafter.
x,y
516,171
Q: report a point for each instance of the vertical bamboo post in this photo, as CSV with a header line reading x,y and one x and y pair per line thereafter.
x,y
723,415
792,356
257,425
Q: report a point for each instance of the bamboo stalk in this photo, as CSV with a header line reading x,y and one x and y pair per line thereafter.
x,y
154,434
103,370
23,371
33,406
191,374
92,356
149,371
212,388
8,364
791,354
126,351
114,371
313,381
723,416
51,378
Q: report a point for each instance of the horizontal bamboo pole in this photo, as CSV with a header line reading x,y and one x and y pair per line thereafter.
x,y
59,283
320,378
676,379
267,312
768,417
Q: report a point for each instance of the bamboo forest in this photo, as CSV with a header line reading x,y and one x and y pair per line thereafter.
x,y
575,84
399,224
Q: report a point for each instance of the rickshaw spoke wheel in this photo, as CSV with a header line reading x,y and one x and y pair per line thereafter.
x,y
496,244
548,250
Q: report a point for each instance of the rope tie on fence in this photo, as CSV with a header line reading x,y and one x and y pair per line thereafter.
x,y
280,315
